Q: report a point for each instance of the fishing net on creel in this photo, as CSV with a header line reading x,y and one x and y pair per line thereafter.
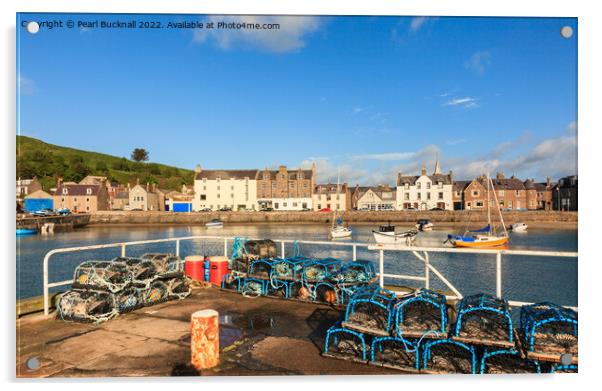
x,y
507,361
356,272
260,269
289,268
421,312
233,281
259,249
345,343
156,293
484,317
325,292
178,288
397,352
558,368
371,308
166,265
130,298
101,275
448,357
86,306
315,272
142,272
549,328
252,287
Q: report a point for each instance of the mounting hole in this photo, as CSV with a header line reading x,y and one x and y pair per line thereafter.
x,y
566,359
33,27
32,363
566,32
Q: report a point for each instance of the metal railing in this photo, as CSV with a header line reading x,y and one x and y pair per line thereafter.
x,y
421,253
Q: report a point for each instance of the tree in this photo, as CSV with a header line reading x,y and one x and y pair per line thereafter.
x,y
140,155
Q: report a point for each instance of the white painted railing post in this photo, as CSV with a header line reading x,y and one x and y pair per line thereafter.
x,y
46,304
123,250
381,267
355,252
225,247
498,274
427,282
178,248
282,249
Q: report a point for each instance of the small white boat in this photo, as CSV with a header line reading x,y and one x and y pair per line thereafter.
x,y
518,227
215,224
340,232
424,225
386,235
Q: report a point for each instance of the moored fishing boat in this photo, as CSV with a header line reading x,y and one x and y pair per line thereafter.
x,y
23,231
338,229
518,227
486,236
386,235
424,225
215,224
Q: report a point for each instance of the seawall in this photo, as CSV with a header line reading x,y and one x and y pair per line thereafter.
x,y
545,218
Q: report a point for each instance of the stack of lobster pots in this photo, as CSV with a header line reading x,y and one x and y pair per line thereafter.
x,y
415,333
259,272
103,289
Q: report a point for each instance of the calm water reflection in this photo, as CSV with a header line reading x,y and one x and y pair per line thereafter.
x,y
524,278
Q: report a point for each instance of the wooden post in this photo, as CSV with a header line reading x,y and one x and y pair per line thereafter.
x,y
204,339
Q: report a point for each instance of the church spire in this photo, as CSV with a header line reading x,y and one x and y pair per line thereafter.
x,y
437,167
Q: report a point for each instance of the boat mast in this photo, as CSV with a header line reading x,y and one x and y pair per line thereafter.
x,y
488,205
499,211
334,212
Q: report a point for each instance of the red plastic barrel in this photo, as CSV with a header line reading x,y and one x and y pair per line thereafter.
x,y
218,268
194,267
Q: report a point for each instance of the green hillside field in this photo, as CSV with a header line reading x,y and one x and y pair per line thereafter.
x,y
48,162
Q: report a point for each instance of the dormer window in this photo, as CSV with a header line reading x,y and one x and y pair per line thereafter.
x,y
65,191
88,191
407,186
440,184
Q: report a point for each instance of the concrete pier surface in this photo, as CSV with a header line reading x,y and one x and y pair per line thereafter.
x,y
258,336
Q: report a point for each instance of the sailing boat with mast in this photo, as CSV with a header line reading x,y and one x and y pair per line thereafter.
x,y
338,230
486,236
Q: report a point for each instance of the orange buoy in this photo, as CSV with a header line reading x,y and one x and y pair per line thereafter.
x,y
204,339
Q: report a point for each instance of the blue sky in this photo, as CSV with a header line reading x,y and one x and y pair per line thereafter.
x,y
366,96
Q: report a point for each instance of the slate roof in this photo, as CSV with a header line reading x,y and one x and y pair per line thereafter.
x,y
292,174
330,188
446,179
77,190
225,174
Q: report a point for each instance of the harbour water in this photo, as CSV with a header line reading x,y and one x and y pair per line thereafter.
x,y
525,278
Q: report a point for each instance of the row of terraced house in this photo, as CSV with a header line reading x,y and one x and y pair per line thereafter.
x,y
284,189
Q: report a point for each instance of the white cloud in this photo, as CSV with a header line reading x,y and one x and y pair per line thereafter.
x,y
466,102
572,127
457,141
289,37
26,86
419,21
479,61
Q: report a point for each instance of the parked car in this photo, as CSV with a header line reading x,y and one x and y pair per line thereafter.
x,y
267,209
44,212
305,210
411,209
63,212
436,209
205,210
225,209
326,210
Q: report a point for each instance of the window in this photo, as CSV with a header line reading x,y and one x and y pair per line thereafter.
x,y
87,208
418,184
88,199
517,192
319,206
428,196
428,185
88,191
204,187
203,197
218,188
440,185
231,195
475,193
440,195
218,196
284,204
419,196
63,199
231,187
65,191
406,196
479,204
501,193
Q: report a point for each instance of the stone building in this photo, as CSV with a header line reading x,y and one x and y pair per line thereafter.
x,y
377,198
425,191
27,186
285,189
217,189
81,198
146,198
458,188
327,197
564,194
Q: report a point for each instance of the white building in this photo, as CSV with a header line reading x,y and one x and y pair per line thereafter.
x,y
381,197
424,191
327,197
216,189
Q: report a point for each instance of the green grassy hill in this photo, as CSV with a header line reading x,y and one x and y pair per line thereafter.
x,y
48,162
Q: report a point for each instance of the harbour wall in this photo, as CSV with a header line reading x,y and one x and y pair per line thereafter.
x,y
547,218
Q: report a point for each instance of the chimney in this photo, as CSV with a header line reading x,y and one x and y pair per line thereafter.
x,y
423,172
499,176
129,187
197,169
137,181
548,182
147,186
59,182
